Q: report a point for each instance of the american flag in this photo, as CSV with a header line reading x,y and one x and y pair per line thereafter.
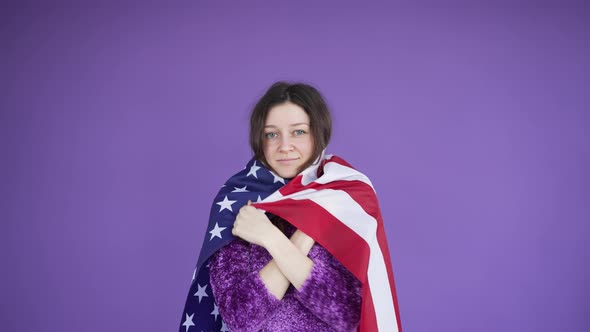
x,y
331,202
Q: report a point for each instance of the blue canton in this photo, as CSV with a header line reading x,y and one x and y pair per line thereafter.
x,y
254,183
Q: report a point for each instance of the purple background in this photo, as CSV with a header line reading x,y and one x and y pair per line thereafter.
x,y
119,124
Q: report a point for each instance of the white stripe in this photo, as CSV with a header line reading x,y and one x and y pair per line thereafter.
x,y
277,196
349,212
332,172
337,172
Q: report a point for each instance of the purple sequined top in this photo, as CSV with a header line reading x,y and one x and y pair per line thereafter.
x,y
329,300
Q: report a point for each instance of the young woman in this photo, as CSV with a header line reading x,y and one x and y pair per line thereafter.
x,y
251,277
308,251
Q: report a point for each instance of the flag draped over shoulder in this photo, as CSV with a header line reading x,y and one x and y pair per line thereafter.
x,y
331,202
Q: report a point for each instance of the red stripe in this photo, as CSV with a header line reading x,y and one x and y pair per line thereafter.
x,y
362,192
335,159
385,250
381,238
318,223
368,321
348,247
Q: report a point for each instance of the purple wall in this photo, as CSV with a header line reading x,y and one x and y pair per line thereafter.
x,y
119,124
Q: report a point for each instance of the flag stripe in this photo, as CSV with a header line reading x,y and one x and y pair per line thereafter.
x,y
383,244
346,210
330,201
316,222
337,164
343,208
348,247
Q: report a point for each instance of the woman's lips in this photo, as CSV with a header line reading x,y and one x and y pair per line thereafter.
x,y
287,160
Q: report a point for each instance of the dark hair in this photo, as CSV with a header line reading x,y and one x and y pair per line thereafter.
x,y
303,95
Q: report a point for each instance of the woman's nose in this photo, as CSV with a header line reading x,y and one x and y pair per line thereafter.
x,y
285,144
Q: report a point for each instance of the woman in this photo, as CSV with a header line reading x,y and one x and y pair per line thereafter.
x,y
285,138
272,275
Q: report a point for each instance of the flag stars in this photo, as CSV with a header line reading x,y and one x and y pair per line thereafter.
x,y
224,327
253,170
259,199
215,311
240,190
188,321
216,231
225,204
201,292
277,178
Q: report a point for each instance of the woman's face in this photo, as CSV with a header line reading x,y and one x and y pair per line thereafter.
x,y
288,143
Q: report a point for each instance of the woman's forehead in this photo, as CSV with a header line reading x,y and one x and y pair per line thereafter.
x,y
287,114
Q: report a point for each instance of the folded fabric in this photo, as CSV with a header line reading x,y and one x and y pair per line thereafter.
x,y
331,202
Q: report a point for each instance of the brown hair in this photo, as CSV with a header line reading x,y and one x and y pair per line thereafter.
x,y
303,95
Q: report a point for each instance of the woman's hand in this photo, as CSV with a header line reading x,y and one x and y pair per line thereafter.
x,y
253,225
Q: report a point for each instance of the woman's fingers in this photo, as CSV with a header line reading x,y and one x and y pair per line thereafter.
x,y
251,224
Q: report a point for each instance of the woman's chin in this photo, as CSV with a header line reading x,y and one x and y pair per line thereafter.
x,y
286,173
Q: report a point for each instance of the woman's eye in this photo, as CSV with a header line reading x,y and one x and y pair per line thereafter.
x,y
299,132
270,135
